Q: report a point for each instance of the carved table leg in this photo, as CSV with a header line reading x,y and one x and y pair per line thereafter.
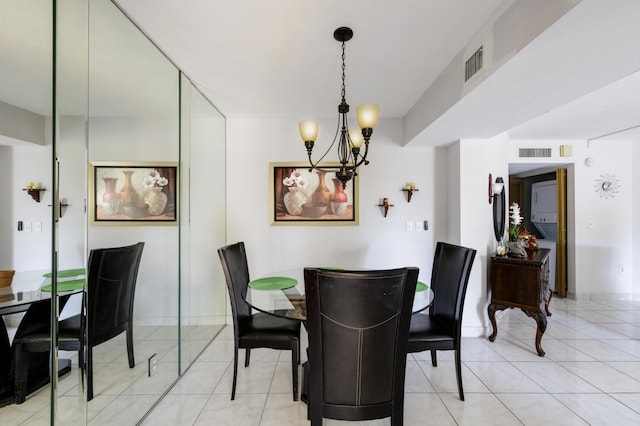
x,y
491,310
546,303
541,320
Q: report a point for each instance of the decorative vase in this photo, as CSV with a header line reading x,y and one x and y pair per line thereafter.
x,y
294,199
128,194
110,198
156,200
321,195
338,198
517,248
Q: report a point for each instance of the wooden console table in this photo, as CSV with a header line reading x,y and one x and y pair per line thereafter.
x,y
521,283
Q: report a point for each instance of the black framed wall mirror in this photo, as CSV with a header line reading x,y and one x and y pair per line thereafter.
x,y
497,198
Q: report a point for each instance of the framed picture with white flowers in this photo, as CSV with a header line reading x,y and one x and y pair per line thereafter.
x,y
133,193
300,196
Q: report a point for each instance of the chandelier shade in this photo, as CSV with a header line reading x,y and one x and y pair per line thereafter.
x,y
348,141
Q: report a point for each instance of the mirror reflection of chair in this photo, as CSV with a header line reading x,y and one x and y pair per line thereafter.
x,y
358,324
29,370
258,330
441,328
107,312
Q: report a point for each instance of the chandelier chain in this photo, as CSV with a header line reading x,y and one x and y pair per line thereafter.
x,y
343,91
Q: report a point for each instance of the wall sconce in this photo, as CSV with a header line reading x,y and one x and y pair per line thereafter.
x,y
34,191
495,188
385,204
410,189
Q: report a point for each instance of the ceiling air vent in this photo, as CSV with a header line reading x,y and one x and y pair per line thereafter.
x,y
473,64
534,152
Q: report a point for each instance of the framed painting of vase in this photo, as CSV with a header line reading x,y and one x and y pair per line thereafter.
x,y
303,197
133,193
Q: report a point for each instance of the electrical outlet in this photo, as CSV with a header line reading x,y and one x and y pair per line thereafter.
x,y
37,226
153,364
419,225
408,226
27,227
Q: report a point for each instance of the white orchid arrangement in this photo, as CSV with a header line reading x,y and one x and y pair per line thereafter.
x,y
154,179
516,222
296,179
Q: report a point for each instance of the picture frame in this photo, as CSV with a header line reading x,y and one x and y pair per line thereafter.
x,y
308,198
133,193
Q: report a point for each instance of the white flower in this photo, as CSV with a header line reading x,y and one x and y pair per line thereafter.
x,y
516,219
296,179
154,179
148,181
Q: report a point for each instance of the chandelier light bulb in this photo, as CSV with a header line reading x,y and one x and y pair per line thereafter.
x,y
367,115
356,138
308,130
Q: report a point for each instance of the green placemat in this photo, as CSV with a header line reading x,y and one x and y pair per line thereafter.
x,y
66,273
420,286
273,283
67,285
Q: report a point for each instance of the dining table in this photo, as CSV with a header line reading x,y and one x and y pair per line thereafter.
x,y
283,294
31,288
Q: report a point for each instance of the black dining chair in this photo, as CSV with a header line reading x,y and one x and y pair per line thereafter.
x,y
106,313
358,324
255,330
440,329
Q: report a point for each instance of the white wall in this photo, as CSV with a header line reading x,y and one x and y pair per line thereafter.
x,y
7,190
377,242
478,158
635,225
149,140
31,250
600,250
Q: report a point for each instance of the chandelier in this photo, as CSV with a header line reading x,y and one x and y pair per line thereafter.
x,y
349,142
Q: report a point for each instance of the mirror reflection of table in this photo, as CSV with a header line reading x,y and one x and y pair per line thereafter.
x,y
291,303
27,289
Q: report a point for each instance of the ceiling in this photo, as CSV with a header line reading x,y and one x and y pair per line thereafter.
x,y
578,79
253,58
278,58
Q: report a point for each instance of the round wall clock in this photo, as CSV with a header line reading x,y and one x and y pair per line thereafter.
x,y
607,185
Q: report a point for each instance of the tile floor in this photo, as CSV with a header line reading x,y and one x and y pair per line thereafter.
x,y
589,376
123,395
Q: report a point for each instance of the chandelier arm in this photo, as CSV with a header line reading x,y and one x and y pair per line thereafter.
x,y
314,165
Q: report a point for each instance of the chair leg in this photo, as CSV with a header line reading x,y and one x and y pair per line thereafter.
x,y
20,375
459,374
247,355
235,372
294,367
132,362
89,366
434,359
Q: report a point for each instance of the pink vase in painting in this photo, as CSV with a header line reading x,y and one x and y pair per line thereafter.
x,y
110,198
338,198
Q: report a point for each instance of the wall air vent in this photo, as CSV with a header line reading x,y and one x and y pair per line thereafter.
x,y
473,64
534,152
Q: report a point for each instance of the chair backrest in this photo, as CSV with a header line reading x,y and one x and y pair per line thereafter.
x,y
358,325
111,284
236,271
449,277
